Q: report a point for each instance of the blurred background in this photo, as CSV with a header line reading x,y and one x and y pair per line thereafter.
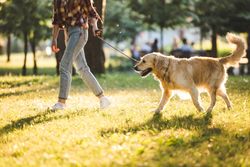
x,y
183,28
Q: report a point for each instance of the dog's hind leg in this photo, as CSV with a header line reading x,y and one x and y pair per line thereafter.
x,y
222,93
196,98
212,93
166,95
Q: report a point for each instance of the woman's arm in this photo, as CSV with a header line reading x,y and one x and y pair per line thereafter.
x,y
94,17
56,27
55,32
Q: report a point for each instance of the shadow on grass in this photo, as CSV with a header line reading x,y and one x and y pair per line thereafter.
x,y
221,144
15,84
31,85
22,92
18,71
46,116
157,124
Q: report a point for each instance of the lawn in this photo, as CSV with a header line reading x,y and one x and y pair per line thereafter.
x,y
46,64
126,134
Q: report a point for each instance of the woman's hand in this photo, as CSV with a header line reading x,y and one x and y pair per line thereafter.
x,y
55,32
96,31
54,47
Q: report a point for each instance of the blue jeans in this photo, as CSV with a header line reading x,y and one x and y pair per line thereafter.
x,y
74,53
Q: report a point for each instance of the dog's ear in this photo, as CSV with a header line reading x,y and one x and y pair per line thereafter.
x,y
155,60
159,62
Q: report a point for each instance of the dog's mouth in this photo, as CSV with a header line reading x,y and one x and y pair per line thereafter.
x,y
146,72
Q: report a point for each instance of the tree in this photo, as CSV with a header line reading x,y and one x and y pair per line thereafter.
x,y
121,22
30,19
60,44
239,21
40,30
94,47
24,12
212,17
7,23
164,14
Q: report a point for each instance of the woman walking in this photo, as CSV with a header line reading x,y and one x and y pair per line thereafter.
x,y
74,16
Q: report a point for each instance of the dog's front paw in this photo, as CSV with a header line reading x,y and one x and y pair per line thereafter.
x,y
230,107
209,110
201,109
157,111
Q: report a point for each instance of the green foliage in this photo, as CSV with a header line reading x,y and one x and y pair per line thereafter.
x,y
239,16
165,14
7,15
121,23
32,16
26,16
40,28
227,15
27,19
220,18
212,15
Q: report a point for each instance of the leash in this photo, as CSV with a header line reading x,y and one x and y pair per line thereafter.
x,y
118,50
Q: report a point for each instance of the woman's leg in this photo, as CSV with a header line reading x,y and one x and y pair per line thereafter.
x,y
90,80
73,48
86,75
74,51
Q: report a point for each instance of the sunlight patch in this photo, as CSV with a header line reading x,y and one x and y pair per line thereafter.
x,y
182,95
185,95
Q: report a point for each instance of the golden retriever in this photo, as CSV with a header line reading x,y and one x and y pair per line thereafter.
x,y
191,74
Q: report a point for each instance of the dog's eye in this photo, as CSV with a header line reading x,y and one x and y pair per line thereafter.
x,y
143,61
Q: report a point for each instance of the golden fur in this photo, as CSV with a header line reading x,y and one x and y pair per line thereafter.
x,y
190,74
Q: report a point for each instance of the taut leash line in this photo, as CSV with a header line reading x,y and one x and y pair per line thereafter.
x,y
118,50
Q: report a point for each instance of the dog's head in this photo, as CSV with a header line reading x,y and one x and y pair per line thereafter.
x,y
152,62
146,65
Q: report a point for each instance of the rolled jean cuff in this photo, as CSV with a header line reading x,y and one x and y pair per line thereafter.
x,y
99,94
63,98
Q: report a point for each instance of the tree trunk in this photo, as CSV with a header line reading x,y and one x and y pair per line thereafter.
x,y
214,43
248,51
24,70
201,39
61,45
33,48
162,38
94,47
8,47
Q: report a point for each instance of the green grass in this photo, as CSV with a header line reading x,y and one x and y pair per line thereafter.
x,y
46,64
126,134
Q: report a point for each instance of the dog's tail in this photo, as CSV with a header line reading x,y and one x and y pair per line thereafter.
x,y
238,53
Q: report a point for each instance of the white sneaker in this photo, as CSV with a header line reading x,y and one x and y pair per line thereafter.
x,y
58,106
104,102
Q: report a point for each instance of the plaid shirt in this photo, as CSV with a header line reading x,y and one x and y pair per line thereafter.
x,y
73,12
